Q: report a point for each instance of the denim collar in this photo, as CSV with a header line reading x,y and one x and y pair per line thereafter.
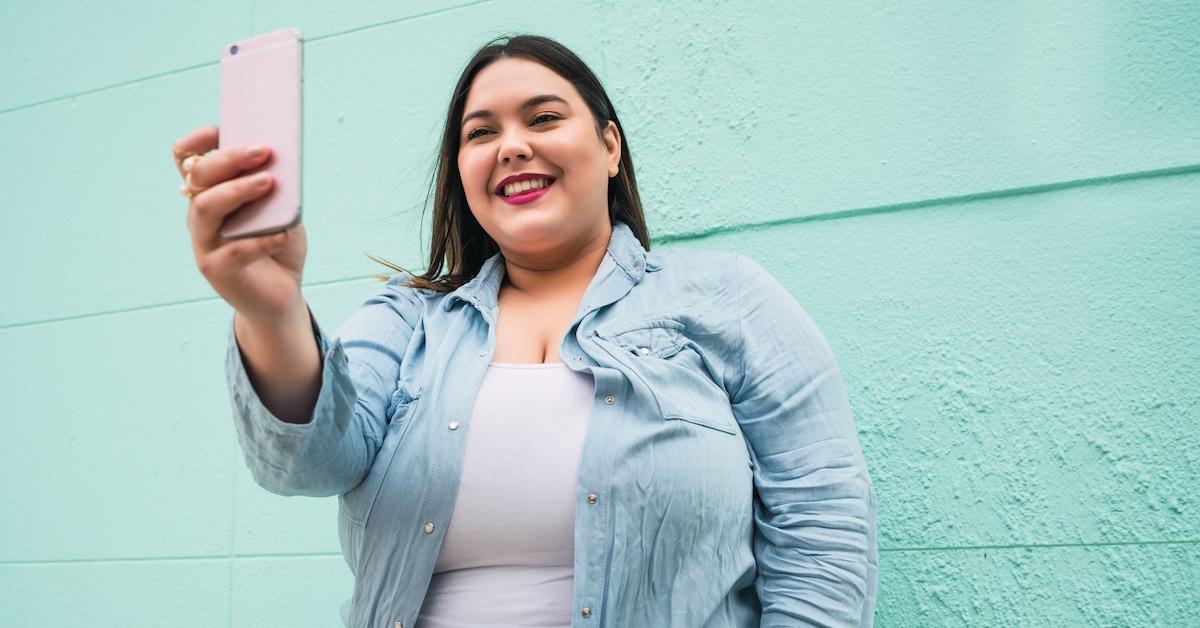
x,y
625,252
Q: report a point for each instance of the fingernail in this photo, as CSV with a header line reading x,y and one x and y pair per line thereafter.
x,y
261,178
187,163
255,150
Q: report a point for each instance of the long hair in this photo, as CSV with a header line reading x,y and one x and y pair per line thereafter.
x,y
459,245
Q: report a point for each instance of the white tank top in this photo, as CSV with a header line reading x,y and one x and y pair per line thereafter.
x,y
509,552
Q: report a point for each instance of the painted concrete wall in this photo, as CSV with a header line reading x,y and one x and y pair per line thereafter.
x,y
993,213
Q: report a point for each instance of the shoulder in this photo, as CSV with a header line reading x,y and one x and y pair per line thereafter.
x,y
692,279
731,264
731,280
404,299
703,267
691,260
399,284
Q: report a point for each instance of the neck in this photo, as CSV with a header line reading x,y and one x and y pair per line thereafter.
x,y
562,272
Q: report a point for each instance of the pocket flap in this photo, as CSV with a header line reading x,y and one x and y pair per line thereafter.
x,y
406,392
662,356
660,338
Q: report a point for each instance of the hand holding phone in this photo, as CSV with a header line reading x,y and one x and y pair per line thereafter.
x,y
260,276
261,93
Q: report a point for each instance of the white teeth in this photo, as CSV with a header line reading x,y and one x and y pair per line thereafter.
x,y
528,184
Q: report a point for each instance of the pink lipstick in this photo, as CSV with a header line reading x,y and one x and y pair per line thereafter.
x,y
527,196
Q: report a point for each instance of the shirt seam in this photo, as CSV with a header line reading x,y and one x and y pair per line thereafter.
x,y
741,331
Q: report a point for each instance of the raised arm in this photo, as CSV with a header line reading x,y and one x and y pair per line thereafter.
x,y
332,450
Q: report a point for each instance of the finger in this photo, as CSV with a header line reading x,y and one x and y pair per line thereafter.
x,y
229,260
224,164
210,207
198,141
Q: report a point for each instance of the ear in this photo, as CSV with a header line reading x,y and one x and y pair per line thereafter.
x,y
612,146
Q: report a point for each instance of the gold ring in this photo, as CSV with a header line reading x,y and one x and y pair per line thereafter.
x,y
186,189
187,153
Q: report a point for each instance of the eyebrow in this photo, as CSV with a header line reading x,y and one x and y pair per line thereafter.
x,y
532,102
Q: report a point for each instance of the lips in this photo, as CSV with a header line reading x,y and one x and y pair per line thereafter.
x,y
516,178
528,196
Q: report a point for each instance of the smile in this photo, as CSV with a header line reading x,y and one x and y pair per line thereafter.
x,y
526,191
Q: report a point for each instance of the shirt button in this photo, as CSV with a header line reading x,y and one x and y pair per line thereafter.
x,y
482,354
644,350
592,498
453,425
610,400
575,358
429,528
587,612
398,624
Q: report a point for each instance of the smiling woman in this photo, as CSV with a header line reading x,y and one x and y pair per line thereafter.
x,y
514,140
513,98
553,425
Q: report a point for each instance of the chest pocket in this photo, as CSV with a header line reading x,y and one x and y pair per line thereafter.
x,y
405,395
358,501
663,360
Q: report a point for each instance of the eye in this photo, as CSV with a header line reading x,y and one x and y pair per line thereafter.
x,y
546,117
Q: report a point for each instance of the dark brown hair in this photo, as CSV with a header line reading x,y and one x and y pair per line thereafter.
x,y
458,242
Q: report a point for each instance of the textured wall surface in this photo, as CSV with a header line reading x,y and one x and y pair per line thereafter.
x,y
993,213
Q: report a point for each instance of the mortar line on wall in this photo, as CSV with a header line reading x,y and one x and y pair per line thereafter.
x,y
181,302
125,83
272,556
950,548
397,20
152,559
151,77
933,202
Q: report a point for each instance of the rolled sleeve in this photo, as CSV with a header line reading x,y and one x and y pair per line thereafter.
x,y
815,540
331,453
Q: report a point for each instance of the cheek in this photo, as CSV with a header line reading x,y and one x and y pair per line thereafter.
x,y
568,149
573,157
474,175
592,150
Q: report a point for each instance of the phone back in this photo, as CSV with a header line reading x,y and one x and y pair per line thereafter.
x,y
260,102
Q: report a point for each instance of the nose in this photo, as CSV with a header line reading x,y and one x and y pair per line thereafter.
x,y
513,145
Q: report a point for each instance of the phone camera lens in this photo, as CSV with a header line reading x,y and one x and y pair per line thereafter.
x,y
233,50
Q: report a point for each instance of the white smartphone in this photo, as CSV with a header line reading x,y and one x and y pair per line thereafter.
x,y
261,91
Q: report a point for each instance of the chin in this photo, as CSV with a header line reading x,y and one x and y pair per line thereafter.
x,y
532,229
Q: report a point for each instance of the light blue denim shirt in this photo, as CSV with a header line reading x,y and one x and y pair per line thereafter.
x,y
721,483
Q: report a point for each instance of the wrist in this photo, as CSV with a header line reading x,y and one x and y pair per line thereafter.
x,y
274,322
274,333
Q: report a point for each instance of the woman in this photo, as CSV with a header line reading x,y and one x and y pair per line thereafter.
x,y
655,439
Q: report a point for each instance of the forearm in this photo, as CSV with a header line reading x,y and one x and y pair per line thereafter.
x,y
283,363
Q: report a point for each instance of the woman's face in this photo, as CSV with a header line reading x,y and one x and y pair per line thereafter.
x,y
521,118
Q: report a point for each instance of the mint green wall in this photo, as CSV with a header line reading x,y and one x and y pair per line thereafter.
x,y
993,214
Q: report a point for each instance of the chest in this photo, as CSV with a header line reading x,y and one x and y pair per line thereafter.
x,y
531,331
